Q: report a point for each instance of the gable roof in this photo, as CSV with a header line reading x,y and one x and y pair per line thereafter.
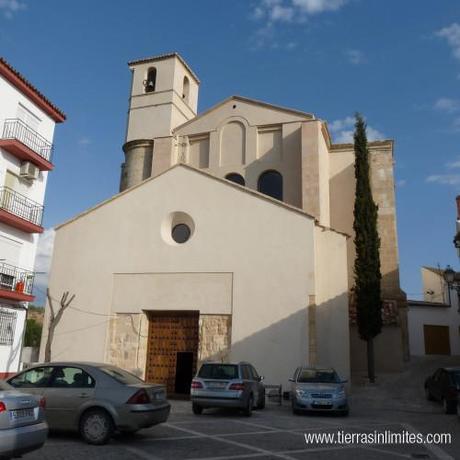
x,y
209,176
440,272
307,116
161,57
30,91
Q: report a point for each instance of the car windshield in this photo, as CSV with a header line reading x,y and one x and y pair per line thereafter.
x,y
5,386
121,375
317,376
218,371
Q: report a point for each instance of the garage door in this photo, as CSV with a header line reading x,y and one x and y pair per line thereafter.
x,y
436,339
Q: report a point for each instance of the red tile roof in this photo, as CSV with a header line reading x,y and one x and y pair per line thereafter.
x,y
26,88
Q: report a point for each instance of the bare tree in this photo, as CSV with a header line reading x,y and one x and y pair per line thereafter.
x,y
54,319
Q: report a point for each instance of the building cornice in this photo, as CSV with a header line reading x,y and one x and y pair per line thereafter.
x,y
30,91
162,57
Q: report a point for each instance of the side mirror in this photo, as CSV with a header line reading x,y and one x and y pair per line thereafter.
x,y
291,380
261,377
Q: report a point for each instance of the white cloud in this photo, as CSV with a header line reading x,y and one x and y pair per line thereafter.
x,y
452,36
318,6
43,258
9,7
84,141
446,104
444,179
293,10
401,183
342,131
354,56
453,164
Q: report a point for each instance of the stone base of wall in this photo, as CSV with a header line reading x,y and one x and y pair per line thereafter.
x,y
215,338
128,337
127,346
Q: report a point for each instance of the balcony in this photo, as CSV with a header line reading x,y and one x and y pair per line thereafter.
x,y
20,212
24,143
16,283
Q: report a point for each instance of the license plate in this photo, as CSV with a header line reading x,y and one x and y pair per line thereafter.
x,y
217,385
320,403
21,413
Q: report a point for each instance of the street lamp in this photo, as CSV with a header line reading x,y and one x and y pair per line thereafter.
x,y
457,242
449,278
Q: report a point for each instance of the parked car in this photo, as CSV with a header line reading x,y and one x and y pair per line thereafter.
x,y
94,399
444,386
318,390
227,385
22,422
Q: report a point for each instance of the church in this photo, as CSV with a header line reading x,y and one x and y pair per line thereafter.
x,y
231,239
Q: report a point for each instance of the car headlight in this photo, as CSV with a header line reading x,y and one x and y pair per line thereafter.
x,y
340,393
302,393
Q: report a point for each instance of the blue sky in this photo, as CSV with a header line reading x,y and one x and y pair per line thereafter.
x,y
397,62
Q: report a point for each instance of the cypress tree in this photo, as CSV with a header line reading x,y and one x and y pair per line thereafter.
x,y
367,244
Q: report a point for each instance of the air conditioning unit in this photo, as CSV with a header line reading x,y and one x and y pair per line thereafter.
x,y
29,171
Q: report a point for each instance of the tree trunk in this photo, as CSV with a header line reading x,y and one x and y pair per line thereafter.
x,y
49,341
370,360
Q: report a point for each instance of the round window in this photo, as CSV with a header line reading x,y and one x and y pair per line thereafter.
x,y
181,233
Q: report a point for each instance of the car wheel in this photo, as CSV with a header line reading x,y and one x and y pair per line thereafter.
x,y
197,410
450,407
96,426
345,413
248,409
261,404
428,395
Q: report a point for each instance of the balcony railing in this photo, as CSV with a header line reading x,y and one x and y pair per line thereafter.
x,y
21,206
14,128
16,279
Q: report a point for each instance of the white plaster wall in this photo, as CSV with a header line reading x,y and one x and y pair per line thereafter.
x,y
10,355
435,290
435,316
333,334
26,244
267,247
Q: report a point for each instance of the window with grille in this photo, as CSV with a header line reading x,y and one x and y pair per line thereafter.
x,y
7,326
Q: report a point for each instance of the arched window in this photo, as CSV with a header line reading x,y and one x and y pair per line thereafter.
x,y
151,80
235,177
271,184
186,89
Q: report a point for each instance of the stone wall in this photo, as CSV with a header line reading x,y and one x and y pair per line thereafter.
x,y
127,347
215,338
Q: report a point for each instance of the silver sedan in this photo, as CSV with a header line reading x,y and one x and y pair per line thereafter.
x,y
318,390
94,399
22,422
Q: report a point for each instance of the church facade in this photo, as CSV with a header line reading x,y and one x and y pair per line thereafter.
x,y
231,239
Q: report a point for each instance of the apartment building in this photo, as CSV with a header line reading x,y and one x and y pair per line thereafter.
x,y
27,121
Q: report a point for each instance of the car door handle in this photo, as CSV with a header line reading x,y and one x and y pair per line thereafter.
x,y
83,395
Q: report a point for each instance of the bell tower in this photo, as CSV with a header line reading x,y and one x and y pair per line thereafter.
x,y
164,94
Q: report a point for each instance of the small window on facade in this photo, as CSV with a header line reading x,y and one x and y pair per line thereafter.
x,y
151,80
271,184
235,177
186,89
7,326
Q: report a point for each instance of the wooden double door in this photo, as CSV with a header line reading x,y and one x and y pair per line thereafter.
x,y
172,349
437,340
